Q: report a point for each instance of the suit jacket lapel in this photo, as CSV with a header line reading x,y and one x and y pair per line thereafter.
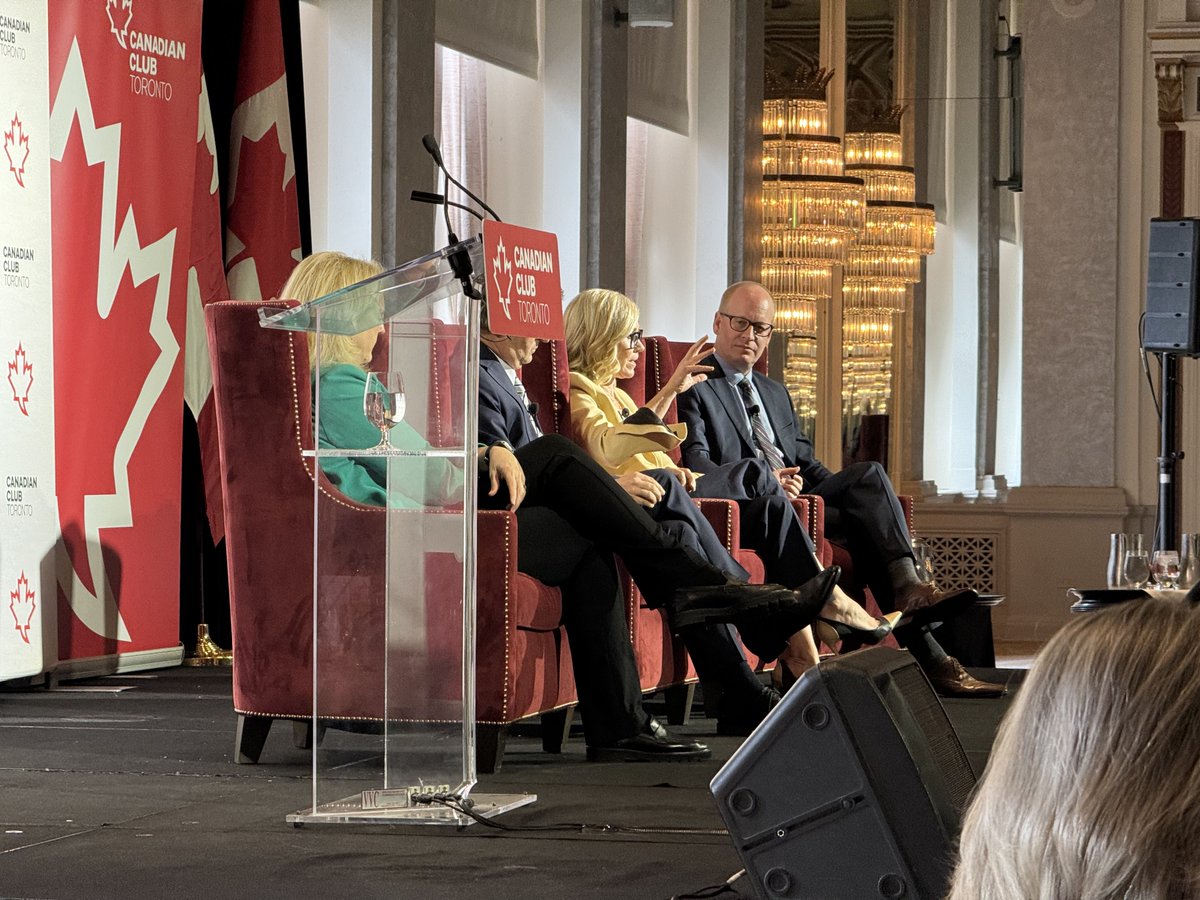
x,y
494,369
731,402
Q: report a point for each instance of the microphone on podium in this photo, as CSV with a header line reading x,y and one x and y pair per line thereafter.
x,y
460,260
431,147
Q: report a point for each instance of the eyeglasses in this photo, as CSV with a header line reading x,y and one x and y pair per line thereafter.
x,y
741,323
635,338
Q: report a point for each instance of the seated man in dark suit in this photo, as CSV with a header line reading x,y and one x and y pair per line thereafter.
x,y
570,546
739,414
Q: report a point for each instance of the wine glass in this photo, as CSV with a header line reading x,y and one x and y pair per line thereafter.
x,y
1165,564
1137,569
383,405
922,559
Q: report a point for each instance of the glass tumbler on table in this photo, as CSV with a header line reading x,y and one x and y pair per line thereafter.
x,y
1137,569
1165,565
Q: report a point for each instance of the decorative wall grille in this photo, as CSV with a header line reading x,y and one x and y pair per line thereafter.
x,y
964,561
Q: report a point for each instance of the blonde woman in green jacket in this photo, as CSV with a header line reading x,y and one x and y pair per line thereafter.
x,y
341,369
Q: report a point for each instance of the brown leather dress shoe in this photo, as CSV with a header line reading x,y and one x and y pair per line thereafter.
x,y
950,679
924,602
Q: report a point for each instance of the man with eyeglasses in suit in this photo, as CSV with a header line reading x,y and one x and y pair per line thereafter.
x,y
739,414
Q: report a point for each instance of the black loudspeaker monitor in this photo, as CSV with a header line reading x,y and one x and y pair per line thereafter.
x,y
1172,324
853,787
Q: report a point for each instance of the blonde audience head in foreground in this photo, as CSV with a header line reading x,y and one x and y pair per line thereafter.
x,y
1093,787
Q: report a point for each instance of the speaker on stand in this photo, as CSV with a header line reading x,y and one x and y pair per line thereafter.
x,y
1171,328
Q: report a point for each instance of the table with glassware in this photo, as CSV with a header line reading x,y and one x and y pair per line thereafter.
x,y
1134,573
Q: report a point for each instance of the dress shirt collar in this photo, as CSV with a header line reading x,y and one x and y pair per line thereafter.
x,y
508,370
734,376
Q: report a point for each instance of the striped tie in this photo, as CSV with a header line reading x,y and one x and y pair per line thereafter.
x,y
528,412
766,447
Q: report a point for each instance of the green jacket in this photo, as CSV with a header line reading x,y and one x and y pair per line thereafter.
x,y
415,481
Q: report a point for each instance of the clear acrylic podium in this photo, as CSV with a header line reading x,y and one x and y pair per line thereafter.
x,y
400,704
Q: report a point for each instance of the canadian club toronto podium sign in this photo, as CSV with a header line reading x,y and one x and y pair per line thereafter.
x,y
524,290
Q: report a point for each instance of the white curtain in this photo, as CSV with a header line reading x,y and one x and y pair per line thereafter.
x,y
460,106
635,202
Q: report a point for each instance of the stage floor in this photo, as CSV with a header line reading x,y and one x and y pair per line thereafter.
x,y
126,787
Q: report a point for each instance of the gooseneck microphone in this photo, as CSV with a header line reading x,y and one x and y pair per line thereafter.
x,y
460,260
431,147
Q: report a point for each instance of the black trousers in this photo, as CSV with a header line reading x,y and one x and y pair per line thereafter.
x,y
573,506
769,524
863,513
681,518
606,674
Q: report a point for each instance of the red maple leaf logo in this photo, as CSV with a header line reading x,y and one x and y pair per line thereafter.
x,y
16,148
22,606
22,369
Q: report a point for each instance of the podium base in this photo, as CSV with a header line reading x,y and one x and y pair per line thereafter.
x,y
349,812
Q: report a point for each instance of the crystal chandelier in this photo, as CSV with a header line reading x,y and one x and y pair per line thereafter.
x,y
897,231
811,209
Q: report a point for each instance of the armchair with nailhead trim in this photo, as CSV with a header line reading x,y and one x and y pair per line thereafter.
x,y
261,388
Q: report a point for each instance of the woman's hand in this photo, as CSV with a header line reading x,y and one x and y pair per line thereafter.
x,y
689,371
503,467
642,488
687,478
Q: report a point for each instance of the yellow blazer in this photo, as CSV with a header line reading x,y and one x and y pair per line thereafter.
x,y
618,446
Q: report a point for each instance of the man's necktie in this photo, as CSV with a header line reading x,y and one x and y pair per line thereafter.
x,y
766,446
533,422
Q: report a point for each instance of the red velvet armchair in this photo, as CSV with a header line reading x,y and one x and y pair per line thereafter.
x,y
264,413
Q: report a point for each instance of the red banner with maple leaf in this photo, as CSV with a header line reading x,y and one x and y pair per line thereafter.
x,y
124,85
262,224
206,284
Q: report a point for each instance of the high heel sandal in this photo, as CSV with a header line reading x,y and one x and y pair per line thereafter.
x,y
853,638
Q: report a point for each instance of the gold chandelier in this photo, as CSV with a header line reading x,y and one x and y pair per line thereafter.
x,y
897,231
811,209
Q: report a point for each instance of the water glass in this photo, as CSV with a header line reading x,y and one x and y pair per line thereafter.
x,y
922,559
1137,569
1165,564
